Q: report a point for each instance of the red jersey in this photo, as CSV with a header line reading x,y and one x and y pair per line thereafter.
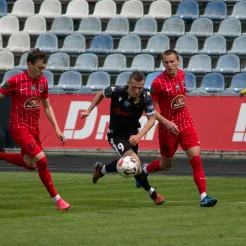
x,y
26,94
169,92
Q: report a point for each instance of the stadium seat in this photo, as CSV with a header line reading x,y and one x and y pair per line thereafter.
x,y
202,27
198,92
10,73
150,78
129,44
83,90
56,91
238,46
214,45
47,42
143,62
23,62
74,43
86,62
213,82
228,63
105,9
122,78
132,9
35,25
187,10
70,80
157,44
229,28
9,25
98,80
77,9
145,27
238,82
62,26
50,78
161,68
18,42
160,9
50,8
114,63
187,44
101,44
190,81
6,60
90,26
117,26
238,11
227,93
58,62
23,8
199,64
173,27
1,42
215,11
3,8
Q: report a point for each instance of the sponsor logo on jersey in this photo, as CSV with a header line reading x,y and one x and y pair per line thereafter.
x,y
177,87
33,88
32,103
178,102
120,112
183,84
127,103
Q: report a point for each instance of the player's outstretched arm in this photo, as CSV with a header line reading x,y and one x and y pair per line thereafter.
x,y
96,100
51,116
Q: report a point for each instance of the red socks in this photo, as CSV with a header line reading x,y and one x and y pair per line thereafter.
x,y
45,176
16,159
154,166
198,173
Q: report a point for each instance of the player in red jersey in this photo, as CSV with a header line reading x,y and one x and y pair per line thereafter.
x,y
27,90
176,125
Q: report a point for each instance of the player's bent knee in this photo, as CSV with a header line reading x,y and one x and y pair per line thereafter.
x,y
30,163
166,164
39,156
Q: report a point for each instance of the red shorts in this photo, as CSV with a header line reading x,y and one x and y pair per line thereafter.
x,y
28,141
169,142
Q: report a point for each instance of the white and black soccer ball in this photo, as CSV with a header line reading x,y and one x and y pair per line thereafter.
x,y
127,167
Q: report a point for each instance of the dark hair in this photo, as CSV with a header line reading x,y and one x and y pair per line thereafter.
x,y
37,54
170,52
137,76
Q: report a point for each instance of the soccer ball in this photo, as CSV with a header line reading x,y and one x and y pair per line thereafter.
x,y
127,167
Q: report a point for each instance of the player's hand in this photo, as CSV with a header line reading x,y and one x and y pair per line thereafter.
x,y
133,140
172,127
62,138
84,114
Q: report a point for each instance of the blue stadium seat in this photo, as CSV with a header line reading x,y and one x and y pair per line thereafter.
x,y
238,46
122,78
238,11
87,62
129,44
227,93
114,63
200,63
74,43
229,28
198,92
173,27
143,62
23,62
157,44
47,42
215,11
213,82
228,63
238,82
187,44
190,81
62,26
90,26
11,73
50,78
188,10
58,62
3,8
70,80
101,44
202,27
83,90
56,91
145,27
117,26
214,45
98,80
149,79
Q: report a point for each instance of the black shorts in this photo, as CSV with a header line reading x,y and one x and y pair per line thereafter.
x,y
120,144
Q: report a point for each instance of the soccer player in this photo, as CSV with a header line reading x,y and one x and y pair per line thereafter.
x,y
176,125
126,108
26,90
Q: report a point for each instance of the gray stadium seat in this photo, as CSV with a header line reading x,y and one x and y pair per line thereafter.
x,y
190,81
238,82
90,26
35,25
215,11
239,11
200,63
188,10
114,63
198,92
149,79
228,63
145,27
117,26
62,26
10,73
227,93
173,27
50,78
70,80
132,9
83,90
23,62
101,44
47,42
160,9
23,8
143,62
98,80
122,78
50,8
9,25
74,43
214,45
6,60
77,9
213,82
86,62
238,46
187,44
58,62
56,91
129,44
202,27
157,44
229,28
105,9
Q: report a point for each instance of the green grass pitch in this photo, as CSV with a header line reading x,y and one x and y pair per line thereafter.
x,y
113,212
